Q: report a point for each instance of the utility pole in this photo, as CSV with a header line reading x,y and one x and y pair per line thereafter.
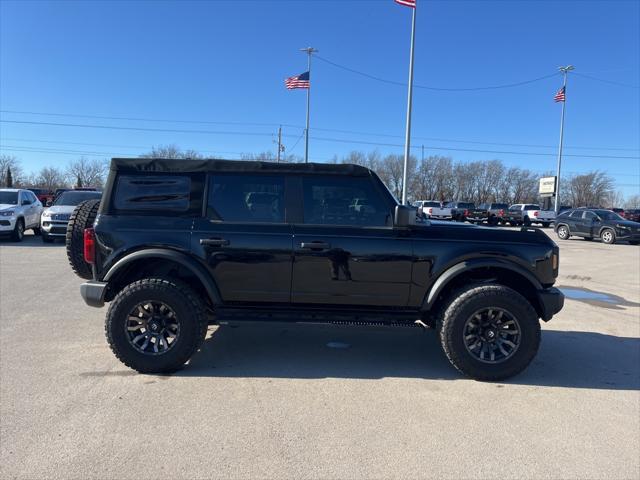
x,y
407,141
280,146
310,51
564,71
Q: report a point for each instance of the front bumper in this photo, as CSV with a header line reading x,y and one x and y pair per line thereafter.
x,y
93,293
551,302
7,224
54,228
627,235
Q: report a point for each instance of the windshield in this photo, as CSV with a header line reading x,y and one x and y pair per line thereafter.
x,y
74,198
608,215
431,204
10,198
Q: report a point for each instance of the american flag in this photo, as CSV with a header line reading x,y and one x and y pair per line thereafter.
x,y
560,97
299,81
407,3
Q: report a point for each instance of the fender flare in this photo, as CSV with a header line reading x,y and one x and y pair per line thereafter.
x,y
178,257
467,265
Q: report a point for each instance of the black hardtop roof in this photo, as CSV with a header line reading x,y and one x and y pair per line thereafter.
x,y
169,165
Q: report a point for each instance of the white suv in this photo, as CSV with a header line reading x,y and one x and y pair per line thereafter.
x,y
19,211
56,217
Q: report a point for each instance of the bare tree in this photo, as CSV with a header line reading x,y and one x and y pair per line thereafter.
x,y
171,151
590,189
10,162
632,202
614,199
87,172
50,178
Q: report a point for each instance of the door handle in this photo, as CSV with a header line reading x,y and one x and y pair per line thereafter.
x,y
315,245
214,242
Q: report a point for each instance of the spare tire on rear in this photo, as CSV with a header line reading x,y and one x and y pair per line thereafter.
x,y
82,217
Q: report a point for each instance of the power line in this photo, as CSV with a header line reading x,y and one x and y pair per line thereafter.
x,y
333,130
112,127
440,89
607,81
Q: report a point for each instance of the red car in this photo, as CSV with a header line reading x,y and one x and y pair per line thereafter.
x,y
632,214
43,195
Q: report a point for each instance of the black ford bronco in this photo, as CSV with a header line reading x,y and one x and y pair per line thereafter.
x,y
176,245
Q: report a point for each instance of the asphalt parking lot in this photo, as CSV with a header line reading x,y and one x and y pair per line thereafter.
x,y
318,401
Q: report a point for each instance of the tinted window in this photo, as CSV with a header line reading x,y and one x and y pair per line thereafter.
x,y
514,208
483,206
343,201
26,199
246,198
576,214
74,198
503,206
609,215
590,216
431,204
10,198
532,207
152,192
466,205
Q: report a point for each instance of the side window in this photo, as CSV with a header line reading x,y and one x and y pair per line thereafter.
x,y
33,197
160,193
343,201
246,198
25,199
576,214
589,216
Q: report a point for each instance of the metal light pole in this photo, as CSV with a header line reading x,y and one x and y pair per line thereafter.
x,y
407,141
310,51
564,71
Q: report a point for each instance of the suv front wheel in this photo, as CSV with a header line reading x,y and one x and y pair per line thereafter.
x,y
155,325
489,332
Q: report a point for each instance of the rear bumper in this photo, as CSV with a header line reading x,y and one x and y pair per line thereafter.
x,y
93,293
551,301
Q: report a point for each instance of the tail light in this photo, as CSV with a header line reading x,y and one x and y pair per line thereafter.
x,y
466,213
430,211
535,214
501,213
89,246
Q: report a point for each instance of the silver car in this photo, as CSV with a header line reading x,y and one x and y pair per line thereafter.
x,y
55,218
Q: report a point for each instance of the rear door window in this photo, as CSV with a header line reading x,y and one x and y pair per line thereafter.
x,y
246,198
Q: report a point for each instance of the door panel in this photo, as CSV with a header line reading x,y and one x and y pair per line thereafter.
x,y
355,266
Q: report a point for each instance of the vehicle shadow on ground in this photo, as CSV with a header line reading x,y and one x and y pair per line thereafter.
x,y
29,241
566,359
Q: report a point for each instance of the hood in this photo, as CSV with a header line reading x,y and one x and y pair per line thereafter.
x,y
7,206
60,209
625,223
474,233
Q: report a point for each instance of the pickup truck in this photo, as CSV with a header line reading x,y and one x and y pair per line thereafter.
x,y
524,214
492,213
459,211
432,209
176,245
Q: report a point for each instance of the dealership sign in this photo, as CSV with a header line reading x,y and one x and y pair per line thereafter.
x,y
547,186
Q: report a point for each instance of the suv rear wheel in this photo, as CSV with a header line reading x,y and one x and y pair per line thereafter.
x,y
155,325
489,332
82,217
563,232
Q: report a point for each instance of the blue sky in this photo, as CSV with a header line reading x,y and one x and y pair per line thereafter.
x,y
225,61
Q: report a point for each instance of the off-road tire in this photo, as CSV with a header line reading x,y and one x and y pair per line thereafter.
x,y
462,305
563,232
608,236
18,231
188,308
82,217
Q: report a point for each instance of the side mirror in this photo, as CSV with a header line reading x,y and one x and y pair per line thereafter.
x,y
404,216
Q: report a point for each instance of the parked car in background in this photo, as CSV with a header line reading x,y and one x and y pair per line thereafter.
x,y
591,223
19,211
632,214
492,213
460,210
547,217
430,208
60,191
619,211
43,195
524,214
54,219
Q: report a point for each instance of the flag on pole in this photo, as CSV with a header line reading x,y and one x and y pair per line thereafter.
x,y
298,81
407,3
560,97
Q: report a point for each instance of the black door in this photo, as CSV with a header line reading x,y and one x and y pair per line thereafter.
x,y
244,238
345,250
577,224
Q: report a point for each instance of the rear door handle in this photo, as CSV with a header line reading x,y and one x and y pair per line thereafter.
x,y
214,242
315,245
